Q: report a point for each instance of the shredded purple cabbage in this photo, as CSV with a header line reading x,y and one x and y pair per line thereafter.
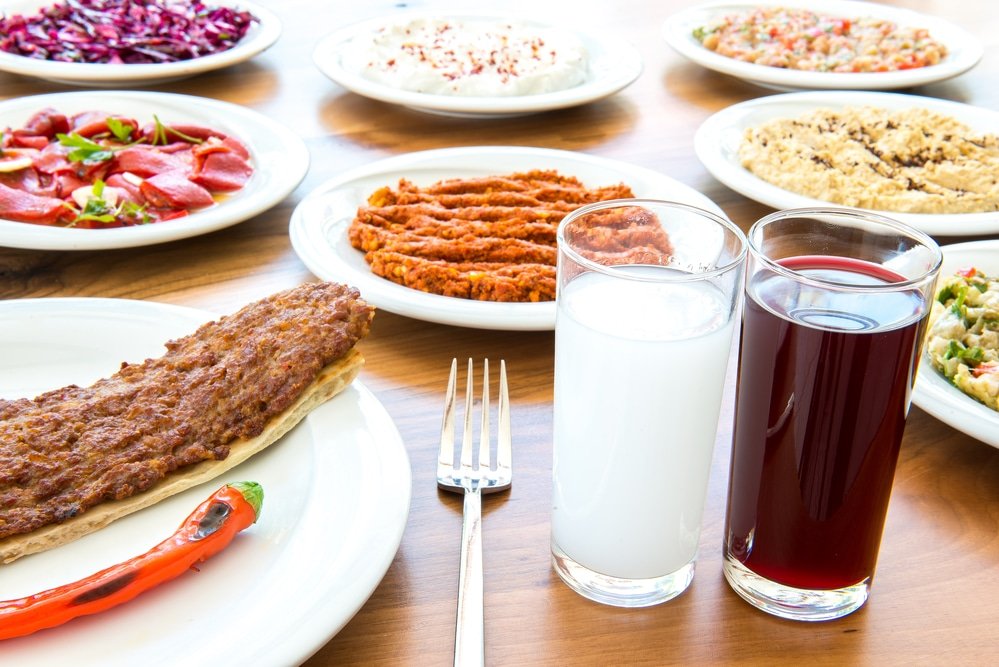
x,y
124,31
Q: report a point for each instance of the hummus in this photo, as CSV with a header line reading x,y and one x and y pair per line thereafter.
x,y
911,160
963,340
474,57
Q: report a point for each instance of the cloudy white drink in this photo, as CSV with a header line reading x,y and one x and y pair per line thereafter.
x,y
637,397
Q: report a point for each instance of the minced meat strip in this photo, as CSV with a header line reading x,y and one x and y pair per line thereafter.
x,y
481,221
461,249
482,281
72,448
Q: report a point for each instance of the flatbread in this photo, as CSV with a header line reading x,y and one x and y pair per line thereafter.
x,y
332,379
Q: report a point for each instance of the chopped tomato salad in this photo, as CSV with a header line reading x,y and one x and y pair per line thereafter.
x,y
804,40
95,170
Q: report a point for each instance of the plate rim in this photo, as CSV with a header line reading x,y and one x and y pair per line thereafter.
x,y
452,310
970,50
628,60
392,515
710,151
261,37
294,163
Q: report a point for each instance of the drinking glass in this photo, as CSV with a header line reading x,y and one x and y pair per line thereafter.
x,y
836,306
647,301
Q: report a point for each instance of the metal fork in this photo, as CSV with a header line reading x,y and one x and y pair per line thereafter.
x,y
473,481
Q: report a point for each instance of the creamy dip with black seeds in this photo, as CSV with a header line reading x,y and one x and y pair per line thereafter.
x,y
905,160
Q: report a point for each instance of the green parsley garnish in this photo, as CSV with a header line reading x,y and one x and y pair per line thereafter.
x,y
130,209
96,208
84,150
161,132
90,152
121,131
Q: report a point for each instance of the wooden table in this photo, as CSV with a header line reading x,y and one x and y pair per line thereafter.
x,y
936,597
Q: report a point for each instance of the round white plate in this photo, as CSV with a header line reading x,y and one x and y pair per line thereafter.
x,y
319,224
336,500
614,64
278,155
259,37
718,138
934,393
964,50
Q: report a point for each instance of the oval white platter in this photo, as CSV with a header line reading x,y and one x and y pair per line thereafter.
x,y
934,393
319,224
613,63
964,50
258,38
278,155
336,500
717,141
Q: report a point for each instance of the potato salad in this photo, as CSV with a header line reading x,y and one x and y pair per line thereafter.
x,y
963,341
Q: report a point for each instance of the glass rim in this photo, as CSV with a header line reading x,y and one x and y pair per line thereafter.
x,y
923,238
615,269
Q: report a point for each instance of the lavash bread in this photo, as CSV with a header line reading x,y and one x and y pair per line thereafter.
x,y
332,379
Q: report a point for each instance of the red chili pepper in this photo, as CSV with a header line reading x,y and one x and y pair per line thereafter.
x,y
204,533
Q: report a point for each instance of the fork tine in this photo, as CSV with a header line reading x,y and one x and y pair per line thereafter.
x,y
484,432
445,456
504,449
466,436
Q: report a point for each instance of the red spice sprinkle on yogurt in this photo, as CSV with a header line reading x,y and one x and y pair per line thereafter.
x,y
470,58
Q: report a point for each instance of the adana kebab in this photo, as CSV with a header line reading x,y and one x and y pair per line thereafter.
x,y
74,459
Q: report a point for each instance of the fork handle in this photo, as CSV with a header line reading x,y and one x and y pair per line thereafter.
x,y
469,635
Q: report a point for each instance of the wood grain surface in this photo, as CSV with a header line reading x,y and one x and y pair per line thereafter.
x,y
936,596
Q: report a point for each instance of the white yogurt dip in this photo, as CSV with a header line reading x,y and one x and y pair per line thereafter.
x,y
469,57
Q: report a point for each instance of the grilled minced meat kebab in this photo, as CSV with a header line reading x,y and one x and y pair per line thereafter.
x,y
74,459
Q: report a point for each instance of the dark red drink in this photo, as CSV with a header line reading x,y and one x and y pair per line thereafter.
x,y
824,382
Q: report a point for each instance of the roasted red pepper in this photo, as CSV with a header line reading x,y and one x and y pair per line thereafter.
x,y
204,533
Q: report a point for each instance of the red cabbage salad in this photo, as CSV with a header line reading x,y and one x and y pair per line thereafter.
x,y
124,31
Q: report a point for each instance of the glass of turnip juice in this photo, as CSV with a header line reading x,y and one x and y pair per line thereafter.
x,y
836,306
648,299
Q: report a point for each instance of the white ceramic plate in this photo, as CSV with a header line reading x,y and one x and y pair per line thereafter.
x,y
717,146
934,393
614,64
260,36
319,224
964,51
279,158
336,500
